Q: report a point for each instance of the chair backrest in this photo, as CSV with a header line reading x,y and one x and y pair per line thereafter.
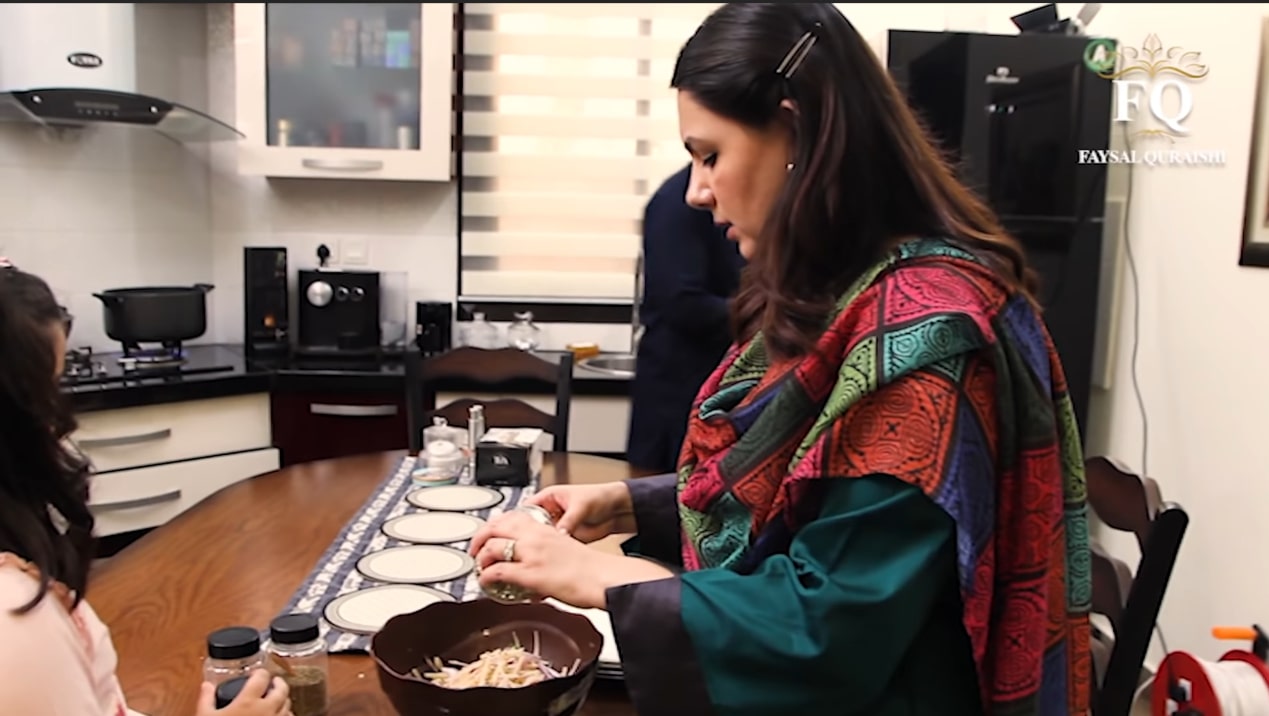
x,y
508,369
1129,503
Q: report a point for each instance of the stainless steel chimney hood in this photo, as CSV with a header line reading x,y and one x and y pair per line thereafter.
x,y
74,64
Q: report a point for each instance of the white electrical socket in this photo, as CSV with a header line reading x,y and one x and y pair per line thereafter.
x,y
355,252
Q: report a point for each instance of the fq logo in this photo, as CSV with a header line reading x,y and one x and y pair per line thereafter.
x,y
1150,78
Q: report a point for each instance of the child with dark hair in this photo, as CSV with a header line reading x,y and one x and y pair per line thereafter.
x,y
56,655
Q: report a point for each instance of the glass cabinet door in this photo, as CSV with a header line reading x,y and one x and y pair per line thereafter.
x,y
345,90
343,74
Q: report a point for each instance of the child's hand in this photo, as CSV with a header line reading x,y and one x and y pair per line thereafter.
x,y
252,700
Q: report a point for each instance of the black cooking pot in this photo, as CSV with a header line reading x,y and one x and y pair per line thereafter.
x,y
155,314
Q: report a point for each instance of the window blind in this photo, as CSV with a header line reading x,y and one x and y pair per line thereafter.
x,y
568,126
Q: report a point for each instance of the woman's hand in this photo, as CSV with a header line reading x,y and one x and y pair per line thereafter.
x,y
518,550
588,512
252,700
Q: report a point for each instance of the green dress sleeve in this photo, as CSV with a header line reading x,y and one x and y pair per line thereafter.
x,y
864,603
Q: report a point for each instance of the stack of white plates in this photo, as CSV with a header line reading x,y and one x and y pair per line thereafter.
x,y
609,658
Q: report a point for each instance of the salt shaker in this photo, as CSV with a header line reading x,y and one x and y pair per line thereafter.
x,y
510,593
232,652
475,431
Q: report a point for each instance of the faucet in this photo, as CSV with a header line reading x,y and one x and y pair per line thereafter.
x,y
636,326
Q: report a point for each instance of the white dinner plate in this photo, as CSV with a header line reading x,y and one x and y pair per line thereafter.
x,y
455,498
609,656
433,527
367,610
416,564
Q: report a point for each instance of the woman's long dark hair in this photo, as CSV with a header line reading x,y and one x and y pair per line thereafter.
x,y
865,172
44,515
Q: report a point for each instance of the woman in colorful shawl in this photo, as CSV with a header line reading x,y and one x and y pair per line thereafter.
x,y
880,503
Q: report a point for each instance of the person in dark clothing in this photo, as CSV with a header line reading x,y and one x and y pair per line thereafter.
x,y
691,270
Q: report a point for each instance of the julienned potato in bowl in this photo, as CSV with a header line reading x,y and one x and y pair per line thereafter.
x,y
561,647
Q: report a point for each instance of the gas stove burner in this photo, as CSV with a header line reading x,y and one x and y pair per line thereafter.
x,y
151,363
81,364
157,358
169,355
85,371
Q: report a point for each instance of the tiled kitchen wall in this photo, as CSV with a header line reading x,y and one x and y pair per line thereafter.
x,y
113,207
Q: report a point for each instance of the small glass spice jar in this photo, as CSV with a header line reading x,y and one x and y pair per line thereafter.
x,y
510,593
297,653
232,652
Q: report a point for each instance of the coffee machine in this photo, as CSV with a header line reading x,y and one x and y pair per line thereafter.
x,y
433,327
338,312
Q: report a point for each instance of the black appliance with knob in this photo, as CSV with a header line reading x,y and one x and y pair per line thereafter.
x,y
266,305
433,327
338,311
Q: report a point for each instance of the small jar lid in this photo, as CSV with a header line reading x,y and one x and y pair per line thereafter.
x,y
236,642
294,629
229,689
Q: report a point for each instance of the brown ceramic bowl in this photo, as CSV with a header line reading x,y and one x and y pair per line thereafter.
x,y
462,631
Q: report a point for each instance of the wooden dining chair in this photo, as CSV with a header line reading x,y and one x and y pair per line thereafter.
x,y
1130,601
492,370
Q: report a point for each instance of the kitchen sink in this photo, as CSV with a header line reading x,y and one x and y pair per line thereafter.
x,y
617,365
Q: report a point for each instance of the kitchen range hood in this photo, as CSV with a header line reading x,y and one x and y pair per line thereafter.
x,y
75,64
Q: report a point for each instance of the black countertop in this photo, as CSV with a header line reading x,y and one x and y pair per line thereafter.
x,y
217,370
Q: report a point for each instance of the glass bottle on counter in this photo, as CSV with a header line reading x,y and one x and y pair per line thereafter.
x,y
523,333
481,333
297,653
441,430
232,652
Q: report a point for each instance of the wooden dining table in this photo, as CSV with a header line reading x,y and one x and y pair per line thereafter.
x,y
237,557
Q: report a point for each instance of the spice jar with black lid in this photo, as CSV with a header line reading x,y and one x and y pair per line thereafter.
x,y
231,652
297,653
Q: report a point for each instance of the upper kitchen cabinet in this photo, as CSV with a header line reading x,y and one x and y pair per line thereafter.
x,y
345,90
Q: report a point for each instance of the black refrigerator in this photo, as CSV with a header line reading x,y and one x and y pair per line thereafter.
x,y
1015,111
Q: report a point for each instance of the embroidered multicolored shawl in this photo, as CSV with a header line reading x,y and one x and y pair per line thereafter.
x,y
932,372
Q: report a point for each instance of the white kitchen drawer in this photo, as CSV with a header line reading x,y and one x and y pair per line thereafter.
x,y
596,423
150,496
153,434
